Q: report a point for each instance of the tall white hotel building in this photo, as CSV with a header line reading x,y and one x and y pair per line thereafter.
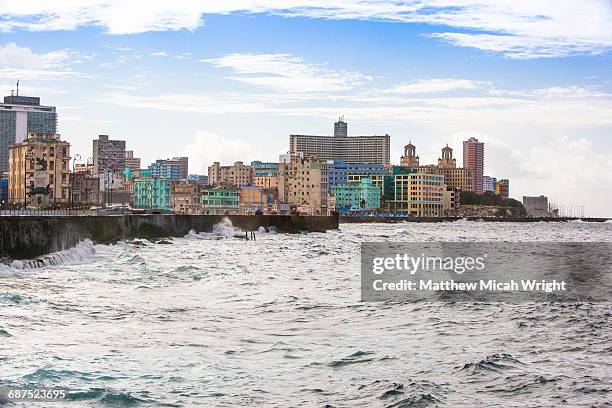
x,y
341,146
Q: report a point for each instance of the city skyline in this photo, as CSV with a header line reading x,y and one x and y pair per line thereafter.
x,y
231,83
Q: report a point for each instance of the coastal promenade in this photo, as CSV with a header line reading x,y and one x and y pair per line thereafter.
x,y
376,219
27,237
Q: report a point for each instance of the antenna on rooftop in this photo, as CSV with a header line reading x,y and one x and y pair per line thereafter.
x,y
17,88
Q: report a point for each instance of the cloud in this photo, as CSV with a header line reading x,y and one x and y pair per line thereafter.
x,y
207,148
517,29
425,86
23,63
287,73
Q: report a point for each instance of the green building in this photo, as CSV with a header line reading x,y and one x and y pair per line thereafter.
x,y
220,201
153,193
362,195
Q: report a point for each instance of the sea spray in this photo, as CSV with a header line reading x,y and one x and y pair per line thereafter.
x,y
83,250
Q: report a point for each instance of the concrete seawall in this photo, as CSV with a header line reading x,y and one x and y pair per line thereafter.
x,y
357,220
30,237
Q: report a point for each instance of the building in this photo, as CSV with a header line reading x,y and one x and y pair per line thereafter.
x,y
489,184
266,181
455,177
153,193
473,158
537,206
341,147
165,169
339,172
261,169
183,163
237,175
220,201
39,170
255,199
19,116
200,178
83,168
187,197
414,193
4,191
108,155
301,183
356,196
131,162
503,188
409,159
450,202
84,188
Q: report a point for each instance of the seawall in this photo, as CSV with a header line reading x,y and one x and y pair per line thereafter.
x,y
26,237
351,219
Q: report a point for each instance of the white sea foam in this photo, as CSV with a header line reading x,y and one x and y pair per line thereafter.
x,y
82,251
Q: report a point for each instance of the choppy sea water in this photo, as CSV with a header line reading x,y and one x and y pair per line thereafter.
x,y
213,320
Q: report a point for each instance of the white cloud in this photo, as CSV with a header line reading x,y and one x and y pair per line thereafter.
x,y
23,63
207,148
285,72
518,29
425,86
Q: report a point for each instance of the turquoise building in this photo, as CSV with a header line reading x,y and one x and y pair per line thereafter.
x,y
362,195
220,201
153,193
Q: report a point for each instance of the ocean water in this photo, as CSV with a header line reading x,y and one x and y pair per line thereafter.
x,y
213,320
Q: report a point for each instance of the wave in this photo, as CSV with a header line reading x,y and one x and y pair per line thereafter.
x,y
82,251
107,397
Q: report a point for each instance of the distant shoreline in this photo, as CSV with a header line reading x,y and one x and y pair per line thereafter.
x,y
391,220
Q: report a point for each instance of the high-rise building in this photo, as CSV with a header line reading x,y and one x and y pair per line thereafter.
x,y
473,158
20,115
165,169
489,184
131,162
39,170
237,175
503,188
340,146
108,155
413,192
183,163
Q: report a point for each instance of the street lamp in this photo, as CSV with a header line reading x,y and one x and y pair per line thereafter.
x,y
71,184
27,156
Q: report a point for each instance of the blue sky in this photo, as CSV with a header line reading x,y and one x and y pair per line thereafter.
x,y
231,80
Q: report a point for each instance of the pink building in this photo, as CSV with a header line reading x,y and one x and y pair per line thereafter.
x,y
473,158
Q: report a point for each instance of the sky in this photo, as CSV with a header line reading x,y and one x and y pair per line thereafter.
x,y
231,80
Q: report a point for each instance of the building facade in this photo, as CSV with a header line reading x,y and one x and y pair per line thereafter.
x,y
356,196
39,171
414,193
237,175
187,197
537,206
301,184
131,162
502,188
489,184
153,193
455,177
261,169
84,188
341,147
266,181
221,201
473,158
19,116
108,155
409,159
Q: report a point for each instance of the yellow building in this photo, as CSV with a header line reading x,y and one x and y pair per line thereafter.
x,y
39,168
301,184
266,181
